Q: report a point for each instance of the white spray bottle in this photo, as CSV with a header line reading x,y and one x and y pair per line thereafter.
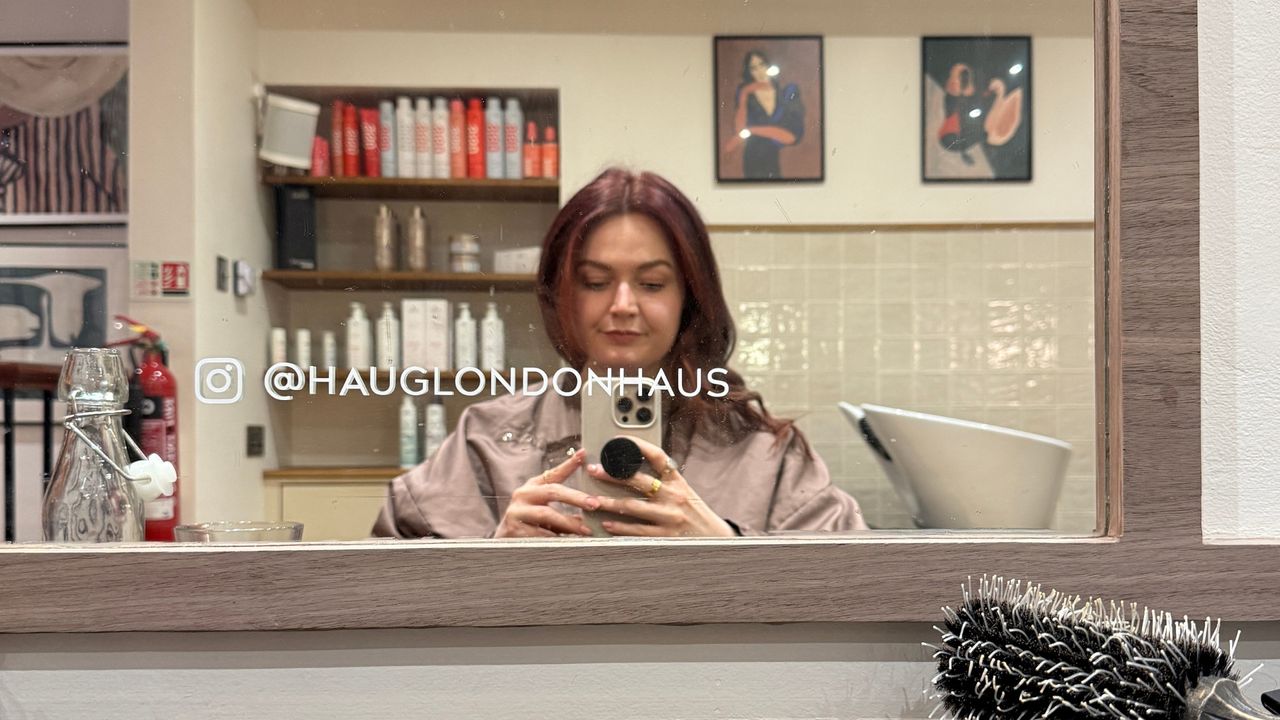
x,y
388,338
408,433
493,130
359,352
464,338
492,340
435,430
512,147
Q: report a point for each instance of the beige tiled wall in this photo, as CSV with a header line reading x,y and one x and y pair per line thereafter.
x,y
987,325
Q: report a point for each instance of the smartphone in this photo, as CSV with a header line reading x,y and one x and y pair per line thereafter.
x,y
627,406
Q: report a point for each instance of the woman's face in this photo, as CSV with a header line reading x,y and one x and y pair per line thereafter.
x,y
759,68
628,295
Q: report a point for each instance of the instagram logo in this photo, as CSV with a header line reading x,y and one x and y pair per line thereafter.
x,y
219,381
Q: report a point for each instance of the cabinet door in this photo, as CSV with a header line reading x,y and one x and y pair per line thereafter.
x,y
333,511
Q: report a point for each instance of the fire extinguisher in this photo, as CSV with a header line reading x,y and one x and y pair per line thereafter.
x,y
155,421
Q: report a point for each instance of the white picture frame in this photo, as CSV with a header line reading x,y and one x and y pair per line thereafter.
x,y
100,183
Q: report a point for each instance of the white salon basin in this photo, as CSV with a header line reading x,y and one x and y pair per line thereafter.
x,y
955,473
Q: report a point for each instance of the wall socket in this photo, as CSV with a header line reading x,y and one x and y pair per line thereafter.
x,y
255,441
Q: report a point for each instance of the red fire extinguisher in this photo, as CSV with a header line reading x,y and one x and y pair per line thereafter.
x,y
157,422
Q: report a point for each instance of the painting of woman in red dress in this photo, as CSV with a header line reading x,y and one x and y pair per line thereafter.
x,y
769,109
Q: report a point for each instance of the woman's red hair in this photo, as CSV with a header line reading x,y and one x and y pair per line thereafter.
x,y
706,336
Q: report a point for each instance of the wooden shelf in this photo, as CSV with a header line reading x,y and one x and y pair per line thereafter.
x,y
377,188
372,280
331,473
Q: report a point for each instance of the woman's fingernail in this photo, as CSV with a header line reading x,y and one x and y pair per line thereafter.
x,y
593,503
593,468
584,530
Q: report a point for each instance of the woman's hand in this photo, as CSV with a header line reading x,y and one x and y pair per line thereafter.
x,y
530,513
672,508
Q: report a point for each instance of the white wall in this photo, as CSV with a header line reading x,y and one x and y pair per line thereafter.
x,y
231,221
704,672
645,100
1239,264
196,196
162,189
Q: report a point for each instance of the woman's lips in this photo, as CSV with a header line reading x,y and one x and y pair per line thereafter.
x,y
623,338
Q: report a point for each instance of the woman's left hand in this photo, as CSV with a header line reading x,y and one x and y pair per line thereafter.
x,y
671,509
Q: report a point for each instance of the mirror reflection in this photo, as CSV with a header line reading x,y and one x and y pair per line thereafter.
x,y
386,285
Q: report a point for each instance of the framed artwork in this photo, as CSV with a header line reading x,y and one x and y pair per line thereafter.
x,y
975,109
769,108
54,297
63,134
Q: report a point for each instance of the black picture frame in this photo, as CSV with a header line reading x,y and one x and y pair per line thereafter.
x,y
800,105
956,140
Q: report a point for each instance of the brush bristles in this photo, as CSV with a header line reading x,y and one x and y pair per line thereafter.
x,y
1018,652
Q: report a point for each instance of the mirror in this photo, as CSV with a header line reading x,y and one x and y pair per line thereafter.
x,y
901,211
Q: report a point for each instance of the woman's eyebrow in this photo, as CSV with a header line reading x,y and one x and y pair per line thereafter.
x,y
655,263
641,268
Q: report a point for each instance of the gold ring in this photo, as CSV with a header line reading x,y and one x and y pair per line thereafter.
x,y
653,489
546,474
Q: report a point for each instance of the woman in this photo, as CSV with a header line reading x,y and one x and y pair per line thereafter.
x,y
628,282
767,118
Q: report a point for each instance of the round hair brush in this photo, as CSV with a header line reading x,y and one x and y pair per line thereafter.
x,y
1018,652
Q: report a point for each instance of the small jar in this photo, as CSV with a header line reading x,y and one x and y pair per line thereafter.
x,y
464,253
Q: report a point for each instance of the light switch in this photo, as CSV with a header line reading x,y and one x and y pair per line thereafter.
x,y
255,440
244,278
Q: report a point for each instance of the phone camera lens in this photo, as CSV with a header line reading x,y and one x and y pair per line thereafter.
x,y
645,394
624,405
644,415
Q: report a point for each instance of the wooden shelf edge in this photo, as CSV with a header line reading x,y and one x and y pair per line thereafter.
x,y
539,183
372,280
328,472
496,190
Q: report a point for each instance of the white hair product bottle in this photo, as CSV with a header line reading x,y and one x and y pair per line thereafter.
x,y
464,338
436,428
492,340
408,433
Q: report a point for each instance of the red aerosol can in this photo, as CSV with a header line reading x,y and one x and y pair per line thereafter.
x,y
157,423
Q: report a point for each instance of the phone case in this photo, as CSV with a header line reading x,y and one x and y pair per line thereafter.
x,y
606,415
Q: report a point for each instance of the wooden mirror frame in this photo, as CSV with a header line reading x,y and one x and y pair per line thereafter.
x,y
1149,400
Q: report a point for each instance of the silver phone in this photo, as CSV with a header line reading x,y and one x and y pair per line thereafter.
x,y
629,406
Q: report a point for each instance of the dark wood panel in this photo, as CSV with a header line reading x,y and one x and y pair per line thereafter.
x,y
371,280
531,190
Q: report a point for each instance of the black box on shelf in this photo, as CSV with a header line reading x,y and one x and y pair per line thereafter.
x,y
295,228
